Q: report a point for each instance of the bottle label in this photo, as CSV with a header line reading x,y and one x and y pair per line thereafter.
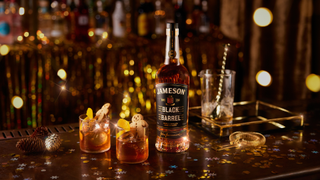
x,y
172,107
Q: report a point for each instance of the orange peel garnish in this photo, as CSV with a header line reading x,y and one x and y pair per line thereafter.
x,y
125,125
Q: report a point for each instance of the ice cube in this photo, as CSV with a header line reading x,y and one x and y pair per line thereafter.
x,y
92,124
104,123
97,128
126,137
85,126
226,111
208,108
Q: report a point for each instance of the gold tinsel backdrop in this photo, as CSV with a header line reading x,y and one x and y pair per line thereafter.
x,y
58,81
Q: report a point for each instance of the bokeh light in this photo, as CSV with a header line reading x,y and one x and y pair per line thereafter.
x,y
262,17
263,78
26,34
189,21
105,35
21,11
20,38
313,82
91,33
62,74
17,102
4,50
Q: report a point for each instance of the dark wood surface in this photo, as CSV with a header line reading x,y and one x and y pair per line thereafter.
x,y
295,156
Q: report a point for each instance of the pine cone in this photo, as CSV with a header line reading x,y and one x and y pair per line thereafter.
x,y
33,144
52,142
40,132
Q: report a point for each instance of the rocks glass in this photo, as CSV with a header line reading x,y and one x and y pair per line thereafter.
x,y
94,134
132,146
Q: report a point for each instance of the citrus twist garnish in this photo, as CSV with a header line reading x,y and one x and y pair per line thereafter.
x,y
89,113
89,116
125,125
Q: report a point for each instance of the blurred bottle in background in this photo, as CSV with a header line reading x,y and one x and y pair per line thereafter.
x,y
196,13
13,9
102,20
180,17
119,20
169,10
204,27
58,31
127,8
71,21
145,19
160,18
81,15
44,17
6,36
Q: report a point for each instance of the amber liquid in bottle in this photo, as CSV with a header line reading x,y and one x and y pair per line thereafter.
x,y
172,94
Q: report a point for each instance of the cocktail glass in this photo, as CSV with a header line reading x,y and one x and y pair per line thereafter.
x,y
94,134
132,146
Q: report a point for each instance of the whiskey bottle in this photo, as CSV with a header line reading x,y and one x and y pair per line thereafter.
x,y
172,97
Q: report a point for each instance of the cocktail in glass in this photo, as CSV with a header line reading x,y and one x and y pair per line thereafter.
x,y
94,134
132,146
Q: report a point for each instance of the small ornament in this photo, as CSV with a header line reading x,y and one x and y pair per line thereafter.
x,y
52,142
33,144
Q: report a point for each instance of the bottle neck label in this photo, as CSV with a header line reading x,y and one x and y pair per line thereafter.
x,y
172,45
172,53
172,110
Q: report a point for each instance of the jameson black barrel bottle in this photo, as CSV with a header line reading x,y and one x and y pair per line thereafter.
x,y
172,96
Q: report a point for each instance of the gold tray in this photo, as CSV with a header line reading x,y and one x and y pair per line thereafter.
x,y
254,116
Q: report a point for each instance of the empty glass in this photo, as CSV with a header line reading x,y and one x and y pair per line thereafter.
x,y
217,96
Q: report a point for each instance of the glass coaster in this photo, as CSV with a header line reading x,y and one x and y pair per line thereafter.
x,y
244,140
